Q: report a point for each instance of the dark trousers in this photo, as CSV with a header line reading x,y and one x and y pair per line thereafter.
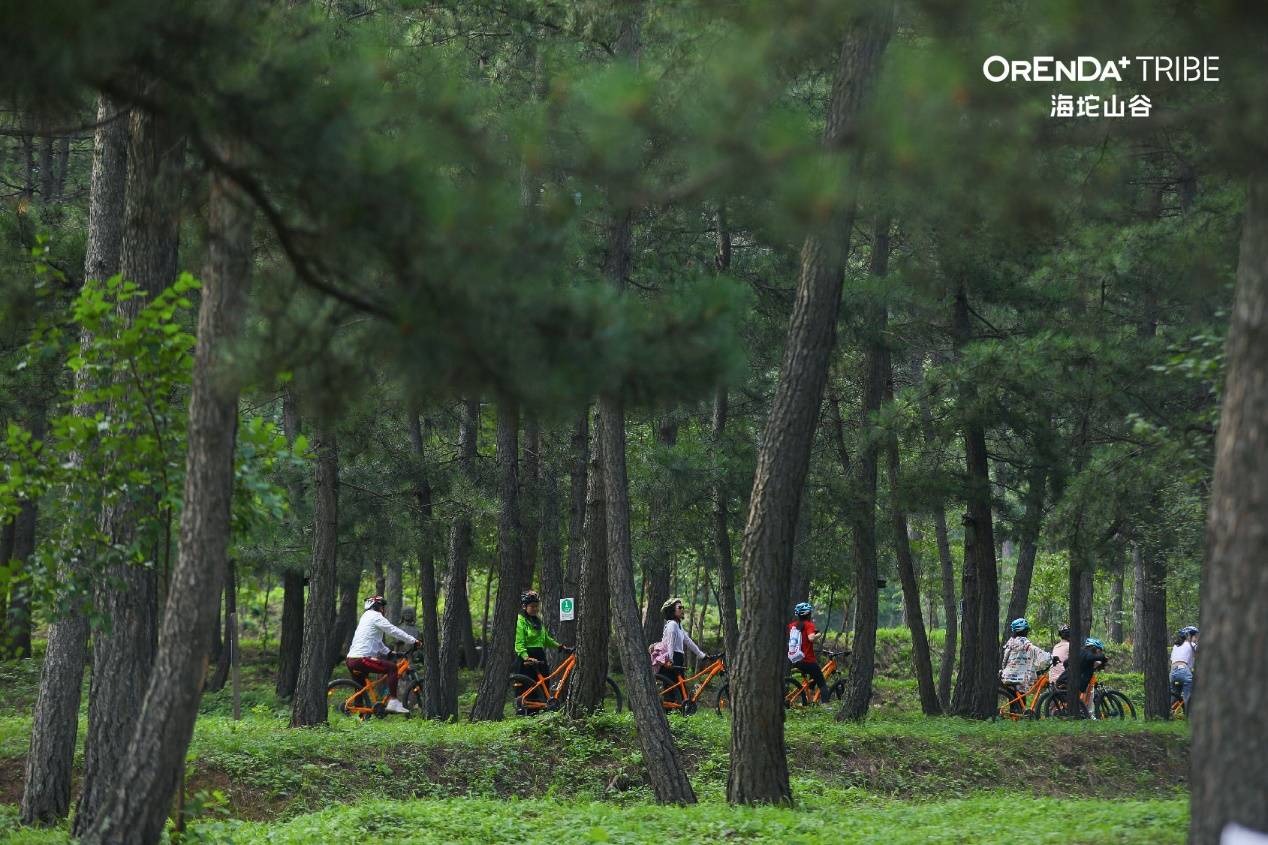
x,y
669,676
812,670
536,670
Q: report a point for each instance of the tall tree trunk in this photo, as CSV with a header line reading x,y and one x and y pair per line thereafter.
x,y
669,780
975,691
1031,524
1086,598
577,483
950,608
456,624
660,563
291,636
308,707
347,611
593,605
499,651
218,678
876,375
430,633
759,765
1231,771
530,501
1140,657
394,589
1153,637
55,722
123,650
552,553
143,786
722,531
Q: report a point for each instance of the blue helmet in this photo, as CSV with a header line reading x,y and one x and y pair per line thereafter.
x,y
804,608
1093,642
1189,631
1019,626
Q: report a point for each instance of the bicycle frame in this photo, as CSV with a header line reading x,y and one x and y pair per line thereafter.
x,y
804,691
368,690
1032,706
680,686
550,688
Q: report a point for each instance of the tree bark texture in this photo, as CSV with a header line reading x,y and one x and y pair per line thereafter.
x,y
456,623
291,636
759,766
530,501
722,531
127,596
430,633
577,484
142,788
1031,525
218,678
552,553
660,563
594,621
1231,773
55,721
308,706
500,650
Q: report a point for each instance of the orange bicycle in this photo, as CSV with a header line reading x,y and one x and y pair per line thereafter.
x,y
530,696
349,698
674,694
799,693
1177,701
1014,705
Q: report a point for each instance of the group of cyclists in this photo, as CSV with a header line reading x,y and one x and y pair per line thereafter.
x,y
1022,659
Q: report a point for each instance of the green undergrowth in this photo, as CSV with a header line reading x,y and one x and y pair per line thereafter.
x,y
831,816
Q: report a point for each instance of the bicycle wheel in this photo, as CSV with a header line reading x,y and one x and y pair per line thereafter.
x,y
338,692
515,687
414,698
1115,705
795,693
836,692
722,705
1009,707
1053,706
612,693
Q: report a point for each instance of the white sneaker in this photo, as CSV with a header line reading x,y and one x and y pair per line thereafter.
x,y
395,706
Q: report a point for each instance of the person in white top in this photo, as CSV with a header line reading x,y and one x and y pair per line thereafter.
x,y
1060,654
674,641
369,655
1183,655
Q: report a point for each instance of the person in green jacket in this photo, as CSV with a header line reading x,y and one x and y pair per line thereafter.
x,y
531,637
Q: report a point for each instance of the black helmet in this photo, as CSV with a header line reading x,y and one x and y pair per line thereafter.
x,y
528,597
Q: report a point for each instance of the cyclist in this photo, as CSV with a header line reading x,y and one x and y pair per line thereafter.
x,y
1183,655
1060,654
802,637
531,637
369,655
673,642
1092,658
409,621
1022,658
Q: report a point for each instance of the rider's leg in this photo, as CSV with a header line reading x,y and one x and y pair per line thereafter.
x,y
536,670
1184,676
383,667
814,671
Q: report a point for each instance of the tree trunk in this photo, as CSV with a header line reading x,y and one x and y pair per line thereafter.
x,y
346,614
669,780
1086,585
1230,718
876,376
430,633
1153,635
218,679
55,722
530,502
722,531
380,577
975,691
660,563
1140,657
143,786
759,765
394,590
499,651
577,481
593,606
456,624
1031,524
123,650
552,553
308,707
290,639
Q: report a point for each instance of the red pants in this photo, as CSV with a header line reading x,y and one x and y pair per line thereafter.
x,y
362,666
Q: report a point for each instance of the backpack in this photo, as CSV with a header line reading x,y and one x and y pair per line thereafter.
x,y
659,653
795,654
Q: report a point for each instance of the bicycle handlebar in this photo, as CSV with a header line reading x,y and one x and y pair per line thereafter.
x,y
834,654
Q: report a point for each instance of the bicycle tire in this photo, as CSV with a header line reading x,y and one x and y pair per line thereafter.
x,y
1120,704
722,704
610,687
836,691
1008,708
520,682
414,698
1052,706
795,693
338,692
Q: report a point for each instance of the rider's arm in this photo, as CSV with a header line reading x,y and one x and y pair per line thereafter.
x,y
551,642
690,643
521,635
388,628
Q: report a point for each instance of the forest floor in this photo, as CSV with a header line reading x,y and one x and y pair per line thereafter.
x,y
897,777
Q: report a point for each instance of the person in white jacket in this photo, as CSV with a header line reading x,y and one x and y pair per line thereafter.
x,y
674,641
369,655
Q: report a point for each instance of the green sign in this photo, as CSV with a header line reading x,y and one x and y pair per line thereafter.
x,y
567,610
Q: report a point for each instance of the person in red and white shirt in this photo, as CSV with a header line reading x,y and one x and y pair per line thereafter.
x,y
807,663
369,655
